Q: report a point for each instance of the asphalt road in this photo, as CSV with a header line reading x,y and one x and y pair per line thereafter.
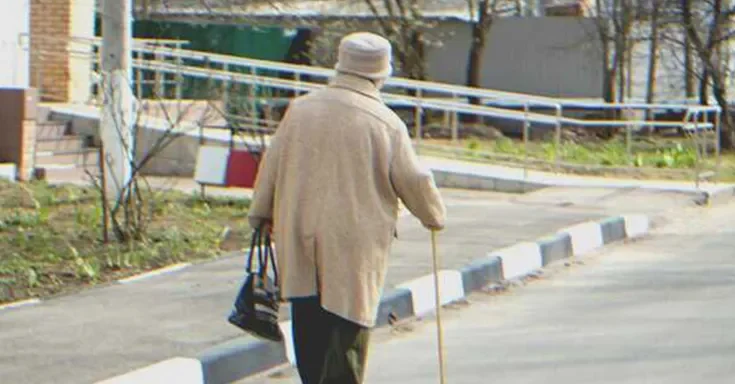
x,y
659,310
107,331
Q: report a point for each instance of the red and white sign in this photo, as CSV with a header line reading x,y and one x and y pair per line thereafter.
x,y
223,166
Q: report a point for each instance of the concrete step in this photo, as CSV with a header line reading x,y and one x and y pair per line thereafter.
x,y
69,158
70,174
51,130
63,144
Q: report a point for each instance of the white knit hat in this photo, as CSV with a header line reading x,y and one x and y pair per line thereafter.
x,y
366,55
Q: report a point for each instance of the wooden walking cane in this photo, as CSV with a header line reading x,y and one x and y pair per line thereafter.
x,y
439,337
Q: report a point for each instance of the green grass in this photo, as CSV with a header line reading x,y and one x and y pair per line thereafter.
x,y
52,244
648,158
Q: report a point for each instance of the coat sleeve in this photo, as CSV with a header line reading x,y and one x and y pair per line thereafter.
x,y
415,185
261,206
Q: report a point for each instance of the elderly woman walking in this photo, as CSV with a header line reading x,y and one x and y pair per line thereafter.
x,y
329,186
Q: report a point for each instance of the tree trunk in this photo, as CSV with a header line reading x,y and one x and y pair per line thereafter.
x,y
703,91
652,63
652,57
727,138
688,68
621,55
480,29
712,70
608,71
474,63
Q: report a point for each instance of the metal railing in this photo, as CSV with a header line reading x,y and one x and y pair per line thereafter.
x,y
452,100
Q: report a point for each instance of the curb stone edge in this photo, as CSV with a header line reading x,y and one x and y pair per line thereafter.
x,y
240,358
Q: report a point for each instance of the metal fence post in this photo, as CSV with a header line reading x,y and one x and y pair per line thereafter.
x,y
696,146
179,78
418,112
704,141
628,139
557,138
718,144
526,126
298,84
253,97
226,89
160,79
455,123
138,76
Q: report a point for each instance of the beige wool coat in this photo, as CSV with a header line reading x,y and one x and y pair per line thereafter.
x,y
330,181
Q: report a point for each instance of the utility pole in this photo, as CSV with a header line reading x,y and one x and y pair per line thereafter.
x,y
536,8
117,117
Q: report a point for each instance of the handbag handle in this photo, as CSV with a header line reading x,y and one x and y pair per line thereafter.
x,y
269,254
255,241
265,252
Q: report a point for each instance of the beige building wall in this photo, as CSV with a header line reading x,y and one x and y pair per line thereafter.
x,y
82,56
14,24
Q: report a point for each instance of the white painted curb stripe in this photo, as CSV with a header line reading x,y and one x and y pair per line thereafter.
x,y
423,292
586,237
520,259
287,332
178,370
636,225
18,304
157,272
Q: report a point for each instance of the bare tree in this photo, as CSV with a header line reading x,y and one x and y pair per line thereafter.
x,y
614,22
653,51
622,19
403,23
605,36
482,15
707,27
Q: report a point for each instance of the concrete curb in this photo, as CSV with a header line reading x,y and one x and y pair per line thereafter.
x,y
447,178
242,358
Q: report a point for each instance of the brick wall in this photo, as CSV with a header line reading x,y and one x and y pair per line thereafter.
x,y
18,129
50,31
27,161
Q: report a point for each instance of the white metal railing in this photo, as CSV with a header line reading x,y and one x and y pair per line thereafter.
x,y
429,96
695,113
425,87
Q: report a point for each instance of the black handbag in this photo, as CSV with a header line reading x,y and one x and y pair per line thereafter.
x,y
256,306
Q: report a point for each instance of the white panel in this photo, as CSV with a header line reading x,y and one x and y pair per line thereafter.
x,y
14,21
519,260
423,292
586,237
178,370
7,171
211,165
636,225
288,341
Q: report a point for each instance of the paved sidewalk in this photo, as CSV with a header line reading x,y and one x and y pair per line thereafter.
x,y
655,311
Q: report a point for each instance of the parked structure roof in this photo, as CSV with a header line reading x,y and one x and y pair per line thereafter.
x,y
302,9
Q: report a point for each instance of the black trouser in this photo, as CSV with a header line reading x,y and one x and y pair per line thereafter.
x,y
329,349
